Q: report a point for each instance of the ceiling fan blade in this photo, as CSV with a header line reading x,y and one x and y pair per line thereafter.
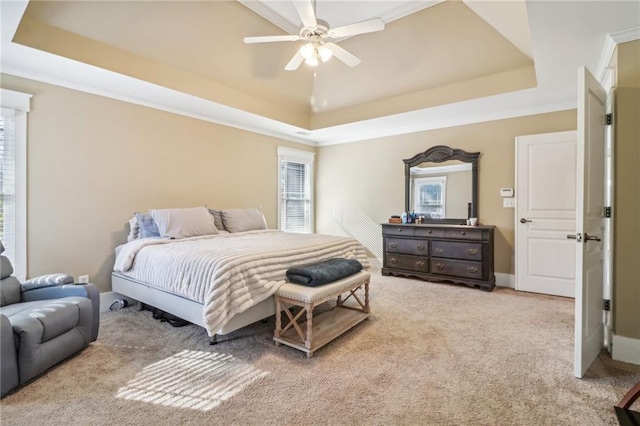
x,y
363,27
295,62
269,39
343,55
305,10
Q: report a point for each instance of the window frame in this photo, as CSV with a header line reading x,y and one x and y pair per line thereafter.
x,y
297,156
21,104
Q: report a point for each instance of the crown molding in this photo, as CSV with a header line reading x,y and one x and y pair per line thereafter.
x,y
611,41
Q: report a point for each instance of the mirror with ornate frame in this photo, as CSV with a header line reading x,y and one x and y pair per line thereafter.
x,y
441,184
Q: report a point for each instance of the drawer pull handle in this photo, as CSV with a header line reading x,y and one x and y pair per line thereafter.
x,y
393,245
421,247
439,250
420,263
472,269
393,260
463,233
399,229
430,231
472,251
440,266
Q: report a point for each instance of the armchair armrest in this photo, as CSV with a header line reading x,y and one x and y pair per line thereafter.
x,y
89,291
8,360
47,281
53,291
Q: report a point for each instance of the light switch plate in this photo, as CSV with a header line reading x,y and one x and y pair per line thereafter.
x,y
509,203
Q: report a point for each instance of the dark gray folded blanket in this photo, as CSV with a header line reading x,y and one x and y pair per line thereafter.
x,y
323,272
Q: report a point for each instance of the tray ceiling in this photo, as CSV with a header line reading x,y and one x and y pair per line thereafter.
x,y
437,63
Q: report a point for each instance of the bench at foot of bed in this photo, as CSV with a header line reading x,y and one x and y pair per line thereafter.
x,y
307,332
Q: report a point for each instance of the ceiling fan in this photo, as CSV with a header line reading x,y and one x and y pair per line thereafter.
x,y
316,35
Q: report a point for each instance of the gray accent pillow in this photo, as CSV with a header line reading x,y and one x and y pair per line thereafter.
x,y
146,226
217,219
183,223
241,220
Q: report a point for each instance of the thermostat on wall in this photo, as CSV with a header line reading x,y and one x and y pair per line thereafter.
x,y
506,192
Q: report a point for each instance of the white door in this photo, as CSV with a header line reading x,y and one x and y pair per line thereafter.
x,y
589,329
546,213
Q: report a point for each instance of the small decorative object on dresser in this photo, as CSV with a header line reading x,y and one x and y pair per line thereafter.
x,y
434,252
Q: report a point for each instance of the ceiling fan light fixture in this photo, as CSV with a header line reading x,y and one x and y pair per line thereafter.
x,y
325,53
308,51
312,61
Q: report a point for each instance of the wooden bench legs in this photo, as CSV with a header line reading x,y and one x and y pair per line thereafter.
x,y
307,332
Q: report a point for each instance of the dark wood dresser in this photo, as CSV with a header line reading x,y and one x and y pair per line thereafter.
x,y
454,253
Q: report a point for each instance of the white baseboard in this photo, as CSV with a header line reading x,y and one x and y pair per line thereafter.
x,y
505,280
107,298
625,349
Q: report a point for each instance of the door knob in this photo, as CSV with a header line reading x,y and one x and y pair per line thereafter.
x,y
523,220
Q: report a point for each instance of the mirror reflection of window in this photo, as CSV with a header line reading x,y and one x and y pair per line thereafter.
x,y
430,195
454,194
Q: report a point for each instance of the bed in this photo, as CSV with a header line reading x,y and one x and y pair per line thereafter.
x,y
225,281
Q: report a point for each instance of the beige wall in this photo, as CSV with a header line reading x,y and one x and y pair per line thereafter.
x,y
626,206
94,161
368,176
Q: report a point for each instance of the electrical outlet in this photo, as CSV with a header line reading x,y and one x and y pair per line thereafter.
x,y
83,279
509,203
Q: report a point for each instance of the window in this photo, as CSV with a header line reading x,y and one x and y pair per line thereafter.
x,y
295,190
429,196
13,205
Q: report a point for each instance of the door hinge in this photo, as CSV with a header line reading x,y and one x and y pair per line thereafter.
x,y
606,304
609,118
606,211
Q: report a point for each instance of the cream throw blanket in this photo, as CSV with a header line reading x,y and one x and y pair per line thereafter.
x,y
229,273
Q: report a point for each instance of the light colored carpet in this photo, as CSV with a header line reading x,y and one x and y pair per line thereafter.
x,y
429,354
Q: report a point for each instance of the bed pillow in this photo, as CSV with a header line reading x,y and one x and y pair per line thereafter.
x,y
240,220
134,229
147,228
217,219
183,223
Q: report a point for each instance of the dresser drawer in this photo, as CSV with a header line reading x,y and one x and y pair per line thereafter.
x,y
407,246
457,268
461,250
410,263
398,230
430,232
464,234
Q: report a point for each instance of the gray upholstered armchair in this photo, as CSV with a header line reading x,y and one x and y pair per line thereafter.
x,y
42,322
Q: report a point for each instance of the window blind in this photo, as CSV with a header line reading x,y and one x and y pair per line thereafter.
x,y
8,182
295,195
295,190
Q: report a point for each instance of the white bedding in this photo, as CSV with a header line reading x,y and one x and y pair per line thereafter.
x,y
229,273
